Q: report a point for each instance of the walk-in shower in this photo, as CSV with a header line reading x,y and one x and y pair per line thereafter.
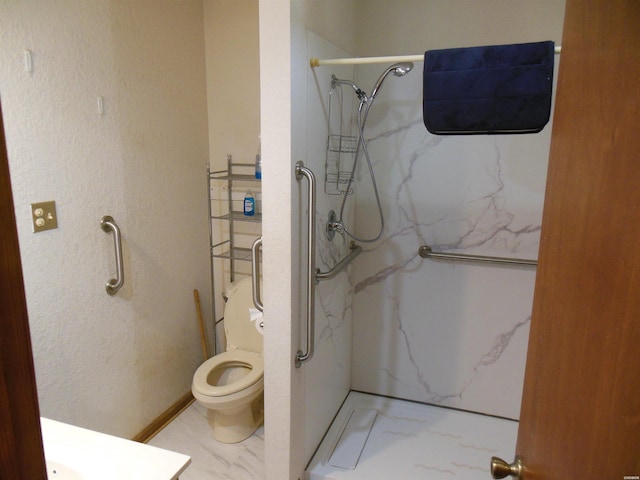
x,y
336,224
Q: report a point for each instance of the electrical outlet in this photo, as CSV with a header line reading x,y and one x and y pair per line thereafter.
x,y
44,216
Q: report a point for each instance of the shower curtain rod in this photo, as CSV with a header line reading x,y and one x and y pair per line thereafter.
x,y
318,62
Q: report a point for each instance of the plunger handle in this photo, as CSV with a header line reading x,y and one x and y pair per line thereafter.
x,y
196,297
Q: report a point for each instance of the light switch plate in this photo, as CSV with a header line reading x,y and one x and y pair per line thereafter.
x,y
44,216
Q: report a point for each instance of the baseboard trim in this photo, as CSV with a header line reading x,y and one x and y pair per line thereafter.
x,y
151,430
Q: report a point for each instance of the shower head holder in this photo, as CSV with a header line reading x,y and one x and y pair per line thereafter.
x,y
333,225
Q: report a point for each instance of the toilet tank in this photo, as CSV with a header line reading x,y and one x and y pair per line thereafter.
x,y
241,332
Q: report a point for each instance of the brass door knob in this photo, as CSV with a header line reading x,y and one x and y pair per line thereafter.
x,y
501,469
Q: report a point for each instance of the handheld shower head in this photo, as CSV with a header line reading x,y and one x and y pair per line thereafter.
x,y
402,68
398,70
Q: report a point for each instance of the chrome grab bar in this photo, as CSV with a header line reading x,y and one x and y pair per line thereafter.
x,y
354,251
108,224
255,273
426,252
302,171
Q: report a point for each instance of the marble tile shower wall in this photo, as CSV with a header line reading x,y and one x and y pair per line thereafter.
x,y
446,333
327,376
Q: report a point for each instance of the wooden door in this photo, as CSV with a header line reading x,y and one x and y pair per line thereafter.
x,y
21,454
580,414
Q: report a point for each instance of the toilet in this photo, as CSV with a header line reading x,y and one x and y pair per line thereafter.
x,y
231,384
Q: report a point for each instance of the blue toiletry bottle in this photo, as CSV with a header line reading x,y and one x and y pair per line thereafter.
x,y
258,167
249,204
259,162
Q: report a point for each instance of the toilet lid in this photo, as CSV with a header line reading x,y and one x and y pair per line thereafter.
x,y
238,358
240,330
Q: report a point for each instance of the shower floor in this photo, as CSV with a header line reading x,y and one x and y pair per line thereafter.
x,y
407,441
388,438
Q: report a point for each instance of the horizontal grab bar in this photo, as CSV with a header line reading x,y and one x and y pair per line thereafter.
x,y
426,252
355,250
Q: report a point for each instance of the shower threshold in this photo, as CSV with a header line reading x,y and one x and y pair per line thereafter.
x,y
376,437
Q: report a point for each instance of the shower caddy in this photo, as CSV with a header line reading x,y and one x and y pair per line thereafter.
x,y
227,248
341,147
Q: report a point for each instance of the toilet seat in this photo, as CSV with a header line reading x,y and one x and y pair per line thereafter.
x,y
231,384
240,358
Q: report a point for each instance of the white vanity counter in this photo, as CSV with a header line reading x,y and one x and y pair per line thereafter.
x,y
75,453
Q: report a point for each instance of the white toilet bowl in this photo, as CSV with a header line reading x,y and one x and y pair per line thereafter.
x,y
231,384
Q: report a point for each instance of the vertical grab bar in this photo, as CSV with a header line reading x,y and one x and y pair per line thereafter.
x,y
255,273
108,224
302,171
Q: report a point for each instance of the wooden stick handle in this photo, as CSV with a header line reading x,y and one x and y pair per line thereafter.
x,y
196,297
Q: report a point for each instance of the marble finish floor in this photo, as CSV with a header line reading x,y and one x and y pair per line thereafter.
x,y
406,440
189,433
400,439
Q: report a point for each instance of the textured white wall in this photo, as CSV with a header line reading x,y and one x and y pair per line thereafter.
x,y
233,79
109,363
333,20
283,383
407,27
233,103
